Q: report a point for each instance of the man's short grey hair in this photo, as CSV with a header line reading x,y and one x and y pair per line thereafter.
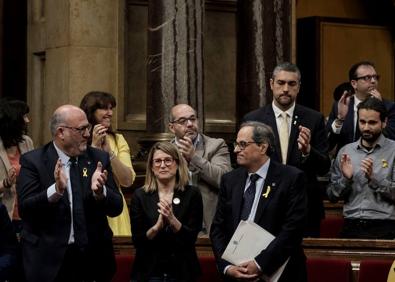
x,y
261,133
288,67
56,120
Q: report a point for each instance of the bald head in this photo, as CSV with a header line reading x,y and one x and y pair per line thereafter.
x,y
63,115
70,130
183,121
179,110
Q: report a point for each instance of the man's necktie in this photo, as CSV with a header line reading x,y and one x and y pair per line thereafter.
x,y
79,224
248,197
284,136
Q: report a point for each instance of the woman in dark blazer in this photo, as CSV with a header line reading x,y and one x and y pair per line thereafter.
x,y
166,217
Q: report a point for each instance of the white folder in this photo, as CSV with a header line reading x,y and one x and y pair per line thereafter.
x,y
246,243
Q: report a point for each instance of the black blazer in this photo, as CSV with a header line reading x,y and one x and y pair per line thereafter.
x,y
282,213
46,226
316,164
347,133
173,251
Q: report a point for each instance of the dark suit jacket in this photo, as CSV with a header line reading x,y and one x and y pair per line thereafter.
x,y
46,226
283,214
8,246
173,251
347,132
316,164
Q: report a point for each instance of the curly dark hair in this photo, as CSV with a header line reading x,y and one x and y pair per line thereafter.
x,y
12,123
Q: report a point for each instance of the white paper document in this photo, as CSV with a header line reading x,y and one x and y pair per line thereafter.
x,y
246,243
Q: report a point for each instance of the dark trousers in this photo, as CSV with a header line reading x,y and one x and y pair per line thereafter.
x,y
72,268
368,229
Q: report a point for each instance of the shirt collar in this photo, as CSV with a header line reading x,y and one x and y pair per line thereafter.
x,y
356,102
262,171
380,143
62,156
278,111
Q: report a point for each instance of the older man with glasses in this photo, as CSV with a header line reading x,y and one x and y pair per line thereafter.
x,y
208,158
342,123
65,192
270,194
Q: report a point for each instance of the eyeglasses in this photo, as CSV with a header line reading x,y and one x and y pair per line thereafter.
x,y
184,121
158,162
368,77
81,130
243,144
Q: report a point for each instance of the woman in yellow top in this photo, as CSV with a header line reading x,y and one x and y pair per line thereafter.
x,y
98,107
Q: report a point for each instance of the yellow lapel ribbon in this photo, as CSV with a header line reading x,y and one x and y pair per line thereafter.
x,y
266,194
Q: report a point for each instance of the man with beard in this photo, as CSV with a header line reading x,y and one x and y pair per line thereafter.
x,y
363,175
300,137
208,158
342,123
65,193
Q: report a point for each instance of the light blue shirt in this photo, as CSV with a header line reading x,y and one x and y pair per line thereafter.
x,y
262,172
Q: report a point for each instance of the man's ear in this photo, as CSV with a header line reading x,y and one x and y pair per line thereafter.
x,y
353,83
60,133
171,127
264,148
384,123
271,83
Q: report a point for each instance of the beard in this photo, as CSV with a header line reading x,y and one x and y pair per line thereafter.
x,y
370,137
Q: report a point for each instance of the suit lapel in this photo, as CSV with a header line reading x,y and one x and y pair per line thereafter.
x,y
269,188
178,207
293,136
86,170
238,192
348,126
199,150
4,157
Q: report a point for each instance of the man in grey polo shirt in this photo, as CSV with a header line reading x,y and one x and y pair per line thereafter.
x,y
363,174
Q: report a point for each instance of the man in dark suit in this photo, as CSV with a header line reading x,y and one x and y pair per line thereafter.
x,y
65,192
342,123
302,143
268,193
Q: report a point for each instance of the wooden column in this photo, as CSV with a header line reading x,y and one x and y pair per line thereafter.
x,y
175,60
264,40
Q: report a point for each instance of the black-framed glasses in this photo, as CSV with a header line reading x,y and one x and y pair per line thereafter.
x,y
184,120
243,144
368,77
81,130
167,161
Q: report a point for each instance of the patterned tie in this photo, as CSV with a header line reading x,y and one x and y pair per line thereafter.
x,y
284,136
248,197
79,224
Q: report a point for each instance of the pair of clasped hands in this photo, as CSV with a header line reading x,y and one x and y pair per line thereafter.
x,y
166,216
99,177
347,167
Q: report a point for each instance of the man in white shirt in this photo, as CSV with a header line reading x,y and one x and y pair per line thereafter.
x,y
342,122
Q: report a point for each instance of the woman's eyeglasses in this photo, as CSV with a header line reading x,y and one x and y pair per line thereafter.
x,y
158,162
